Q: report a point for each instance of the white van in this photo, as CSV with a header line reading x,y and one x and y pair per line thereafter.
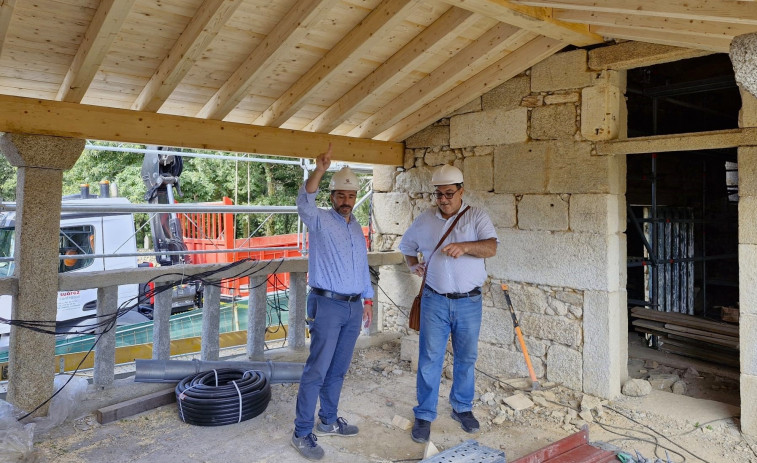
x,y
81,233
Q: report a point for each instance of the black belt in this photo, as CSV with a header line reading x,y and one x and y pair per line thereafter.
x,y
333,295
474,292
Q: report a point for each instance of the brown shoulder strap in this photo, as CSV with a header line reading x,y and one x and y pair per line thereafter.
x,y
444,237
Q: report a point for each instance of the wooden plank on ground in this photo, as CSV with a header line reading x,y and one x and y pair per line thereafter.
x,y
686,320
656,326
134,406
685,329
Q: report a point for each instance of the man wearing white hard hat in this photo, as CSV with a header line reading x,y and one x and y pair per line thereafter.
x,y
340,299
451,302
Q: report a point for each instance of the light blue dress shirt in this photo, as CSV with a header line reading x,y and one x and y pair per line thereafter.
x,y
446,274
338,259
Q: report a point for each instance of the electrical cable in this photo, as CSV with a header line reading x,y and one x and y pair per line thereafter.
x,y
222,396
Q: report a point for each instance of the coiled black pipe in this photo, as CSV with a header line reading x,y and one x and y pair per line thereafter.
x,y
222,396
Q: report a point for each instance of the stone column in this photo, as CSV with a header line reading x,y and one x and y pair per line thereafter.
x,y
41,161
748,269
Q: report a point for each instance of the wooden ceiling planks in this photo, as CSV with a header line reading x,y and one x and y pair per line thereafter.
x,y
379,69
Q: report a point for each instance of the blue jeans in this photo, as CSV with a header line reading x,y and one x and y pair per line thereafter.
x,y
441,316
333,334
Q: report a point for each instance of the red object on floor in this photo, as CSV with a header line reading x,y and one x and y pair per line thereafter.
x,y
572,449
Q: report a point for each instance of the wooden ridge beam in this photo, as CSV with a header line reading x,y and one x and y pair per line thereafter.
x,y
731,138
441,31
62,119
729,12
101,33
384,17
495,41
198,34
494,75
284,36
537,20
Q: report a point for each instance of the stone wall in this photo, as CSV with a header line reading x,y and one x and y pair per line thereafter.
x,y
527,152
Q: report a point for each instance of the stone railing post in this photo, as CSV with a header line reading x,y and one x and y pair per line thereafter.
x,y
161,327
256,317
105,352
297,309
211,319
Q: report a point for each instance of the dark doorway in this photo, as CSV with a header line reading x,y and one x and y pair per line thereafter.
x,y
682,209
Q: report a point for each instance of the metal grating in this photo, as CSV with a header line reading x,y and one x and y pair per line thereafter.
x,y
469,451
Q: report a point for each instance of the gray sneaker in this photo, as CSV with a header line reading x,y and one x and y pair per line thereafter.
x,y
307,447
340,427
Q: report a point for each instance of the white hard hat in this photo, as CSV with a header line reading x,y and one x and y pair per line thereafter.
x,y
447,175
345,179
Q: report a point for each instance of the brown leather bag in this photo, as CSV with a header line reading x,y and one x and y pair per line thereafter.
x,y
414,319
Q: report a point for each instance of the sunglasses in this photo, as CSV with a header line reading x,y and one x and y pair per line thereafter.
x,y
439,194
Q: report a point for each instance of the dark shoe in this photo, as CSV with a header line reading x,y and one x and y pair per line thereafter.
x,y
421,431
307,447
340,427
467,421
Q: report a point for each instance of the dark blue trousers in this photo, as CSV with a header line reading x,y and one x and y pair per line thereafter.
x,y
333,333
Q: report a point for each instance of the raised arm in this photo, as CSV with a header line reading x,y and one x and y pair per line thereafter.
x,y
322,163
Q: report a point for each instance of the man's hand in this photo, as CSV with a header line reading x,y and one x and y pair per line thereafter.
x,y
455,250
323,161
418,269
367,316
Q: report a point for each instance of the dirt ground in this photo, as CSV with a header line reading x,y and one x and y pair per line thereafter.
x,y
380,387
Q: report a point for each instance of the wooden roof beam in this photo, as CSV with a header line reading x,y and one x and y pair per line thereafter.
x,y
198,34
538,20
6,12
285,35
629,55
444,29
493,42
102,31
701,27
385,16
63,119
716,44
508,67
729,12
696,141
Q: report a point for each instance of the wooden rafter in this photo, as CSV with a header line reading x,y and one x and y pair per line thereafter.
x,y
436,35
656,23
6,12
284,36
101,33
198,34
501,71
723,11
63,119
629,55
718,44
388,14
498,39
538,20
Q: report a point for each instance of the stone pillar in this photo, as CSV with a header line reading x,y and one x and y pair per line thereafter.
x,y
40,161
747,160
